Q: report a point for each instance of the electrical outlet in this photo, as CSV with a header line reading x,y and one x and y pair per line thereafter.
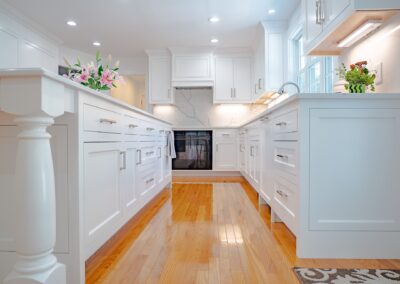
x,y
378,74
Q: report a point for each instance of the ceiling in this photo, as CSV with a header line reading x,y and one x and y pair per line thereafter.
x,y
128,27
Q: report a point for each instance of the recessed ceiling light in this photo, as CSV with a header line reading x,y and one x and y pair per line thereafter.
x,y
271,11
213,19
71,23
96,43
214,40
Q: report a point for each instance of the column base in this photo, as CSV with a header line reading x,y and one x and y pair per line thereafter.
x,y
55,275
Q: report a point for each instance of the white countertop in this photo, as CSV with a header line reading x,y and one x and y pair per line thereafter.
x,y
324,96
33,72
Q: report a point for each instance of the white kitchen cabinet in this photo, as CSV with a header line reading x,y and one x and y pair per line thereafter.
x,y
269,58
242,152
233,80
102,193
330,21
192,67
166,161
225,150
160,90
255,162
267,174
129,191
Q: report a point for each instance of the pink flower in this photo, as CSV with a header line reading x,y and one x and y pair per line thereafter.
x,y
107,78
82,77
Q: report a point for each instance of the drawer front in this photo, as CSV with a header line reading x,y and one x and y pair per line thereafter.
x,y
285,202
148,153
101,120
225,134
146,178
285,123
133,126
286,158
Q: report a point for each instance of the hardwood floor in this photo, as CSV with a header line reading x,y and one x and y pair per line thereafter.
x,y
208,231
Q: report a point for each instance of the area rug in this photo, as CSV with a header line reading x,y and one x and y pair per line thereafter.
x,y
347,276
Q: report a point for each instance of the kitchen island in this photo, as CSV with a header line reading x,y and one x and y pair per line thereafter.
x,y
328,166
75,166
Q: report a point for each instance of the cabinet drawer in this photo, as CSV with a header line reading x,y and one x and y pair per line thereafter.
x,y
101,120
285,202
225,134
147,153
285,157
146,178
133,126
285,123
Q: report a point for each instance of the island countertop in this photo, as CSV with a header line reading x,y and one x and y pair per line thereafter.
x,y
37,72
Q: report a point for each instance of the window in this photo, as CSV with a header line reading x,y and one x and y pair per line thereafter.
x,y
314,74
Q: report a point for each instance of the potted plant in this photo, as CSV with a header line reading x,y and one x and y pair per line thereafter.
x,y
358,78
94,75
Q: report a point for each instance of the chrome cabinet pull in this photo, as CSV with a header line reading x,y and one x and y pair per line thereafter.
x,y
281,193
139,156
281,123
259,83
159,153
132,126
149,129
225,134
124,160
149,180
282,156
231,92
149,153
106,120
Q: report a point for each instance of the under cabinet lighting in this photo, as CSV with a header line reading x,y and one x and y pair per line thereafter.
x,y
213,19
71,23
359,33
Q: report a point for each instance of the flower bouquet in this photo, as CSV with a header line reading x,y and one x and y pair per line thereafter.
x,y
94,75
358,78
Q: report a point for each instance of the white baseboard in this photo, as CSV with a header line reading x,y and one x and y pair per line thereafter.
x,y
202,173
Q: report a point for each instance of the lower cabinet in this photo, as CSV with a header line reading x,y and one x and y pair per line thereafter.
x,y
267,175
225,149
255,162
128,183
119,179
102,193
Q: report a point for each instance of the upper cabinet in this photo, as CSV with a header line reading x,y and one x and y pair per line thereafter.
x,y
269,58
160,90
233,79
192,67
328,22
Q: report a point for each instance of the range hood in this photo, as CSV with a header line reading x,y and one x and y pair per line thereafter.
x,y
192,68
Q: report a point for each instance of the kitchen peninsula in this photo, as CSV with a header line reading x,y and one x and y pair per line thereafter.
x,y
81,165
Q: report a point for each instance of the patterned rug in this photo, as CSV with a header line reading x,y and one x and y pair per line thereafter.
x,y
347,276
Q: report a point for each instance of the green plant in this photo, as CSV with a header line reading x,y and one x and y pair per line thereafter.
x,y
358,74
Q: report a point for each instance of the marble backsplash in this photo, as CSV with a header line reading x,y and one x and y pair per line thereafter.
x,y
194,108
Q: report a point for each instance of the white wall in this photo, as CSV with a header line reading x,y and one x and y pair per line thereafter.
x,y
382,47
128,66
195,109
23,44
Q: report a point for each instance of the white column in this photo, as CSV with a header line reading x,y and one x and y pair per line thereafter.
x,y
35,219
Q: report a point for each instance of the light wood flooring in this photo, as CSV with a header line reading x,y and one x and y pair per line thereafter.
x,y
206,230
